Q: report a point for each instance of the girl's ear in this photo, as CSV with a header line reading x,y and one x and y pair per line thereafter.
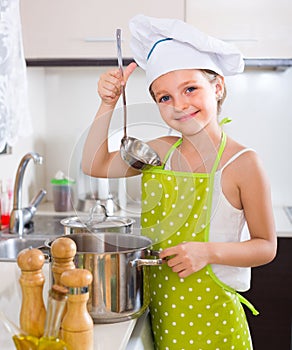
x,y
219,86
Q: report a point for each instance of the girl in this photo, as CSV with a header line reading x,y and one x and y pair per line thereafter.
x,y
194,206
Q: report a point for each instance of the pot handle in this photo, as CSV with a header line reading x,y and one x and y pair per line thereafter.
x,y
45,248
147,262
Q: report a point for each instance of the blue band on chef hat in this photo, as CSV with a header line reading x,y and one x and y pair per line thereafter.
x,y
153,47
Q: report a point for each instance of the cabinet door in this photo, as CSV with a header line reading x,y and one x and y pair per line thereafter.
x,y
260,28
271,294
84,29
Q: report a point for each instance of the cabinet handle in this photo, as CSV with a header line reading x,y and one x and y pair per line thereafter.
x,y
241,40
99,40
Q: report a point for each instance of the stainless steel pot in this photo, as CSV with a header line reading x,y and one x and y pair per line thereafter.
x,y
120,290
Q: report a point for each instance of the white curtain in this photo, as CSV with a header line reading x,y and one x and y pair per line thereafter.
x,y
15,121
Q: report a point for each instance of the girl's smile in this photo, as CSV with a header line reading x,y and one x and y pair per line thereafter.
x,y
186,116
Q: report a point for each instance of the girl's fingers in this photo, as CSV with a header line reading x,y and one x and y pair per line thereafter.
x,y
109,85
129,70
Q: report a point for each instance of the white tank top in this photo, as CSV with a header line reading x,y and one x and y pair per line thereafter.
x,y
227,225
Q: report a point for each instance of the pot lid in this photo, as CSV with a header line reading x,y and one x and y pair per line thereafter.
x,y
108,222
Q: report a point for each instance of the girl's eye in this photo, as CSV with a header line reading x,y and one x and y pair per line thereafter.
x,y
190,89
164,99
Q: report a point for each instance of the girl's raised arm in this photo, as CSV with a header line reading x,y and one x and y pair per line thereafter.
x,y
97,161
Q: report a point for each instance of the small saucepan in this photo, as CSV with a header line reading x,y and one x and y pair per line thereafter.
x,y
118,224
97,222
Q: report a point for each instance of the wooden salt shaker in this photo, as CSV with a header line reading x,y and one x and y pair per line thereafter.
x,y
32,279
63,250
77,324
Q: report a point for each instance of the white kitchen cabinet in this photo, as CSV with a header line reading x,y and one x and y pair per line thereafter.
x,y
73,29
259,28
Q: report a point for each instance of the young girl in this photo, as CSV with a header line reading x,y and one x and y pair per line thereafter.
x,y
194,206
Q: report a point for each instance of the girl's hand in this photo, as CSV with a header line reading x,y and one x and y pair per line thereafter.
x,y
186,258
110,84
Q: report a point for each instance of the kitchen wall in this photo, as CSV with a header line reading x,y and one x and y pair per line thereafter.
x,y
63,103
35,174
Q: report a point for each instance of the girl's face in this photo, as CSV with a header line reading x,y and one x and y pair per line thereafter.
x,y
187,100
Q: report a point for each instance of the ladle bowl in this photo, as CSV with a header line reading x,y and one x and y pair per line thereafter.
x,y
138,154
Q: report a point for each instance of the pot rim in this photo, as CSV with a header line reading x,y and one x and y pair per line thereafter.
x,y
98,235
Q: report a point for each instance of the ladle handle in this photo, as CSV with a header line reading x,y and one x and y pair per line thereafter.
x,y
120,63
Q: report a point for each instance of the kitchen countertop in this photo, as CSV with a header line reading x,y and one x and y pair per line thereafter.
x,y
282,222
47,208
113,336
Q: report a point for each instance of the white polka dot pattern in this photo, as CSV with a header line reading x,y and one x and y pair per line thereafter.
x,y
195,312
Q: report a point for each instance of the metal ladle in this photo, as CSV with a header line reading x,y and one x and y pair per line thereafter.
x,y
136,153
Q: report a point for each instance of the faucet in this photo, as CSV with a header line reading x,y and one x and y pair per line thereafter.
x,y
19,216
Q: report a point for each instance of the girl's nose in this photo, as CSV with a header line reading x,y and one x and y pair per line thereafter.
x,y
180,104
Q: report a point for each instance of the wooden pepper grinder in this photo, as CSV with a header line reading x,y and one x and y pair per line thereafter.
x,y
32,279
77,324
63,250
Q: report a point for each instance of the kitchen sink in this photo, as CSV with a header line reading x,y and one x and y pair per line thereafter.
x,y
9,248
42,228
41,225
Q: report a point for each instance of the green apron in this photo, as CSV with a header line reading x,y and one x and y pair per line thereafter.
x,y
198,312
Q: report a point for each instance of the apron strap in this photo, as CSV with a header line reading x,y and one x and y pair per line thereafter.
x,y
244,301
224,286
217,160
172,148
211,184
219,154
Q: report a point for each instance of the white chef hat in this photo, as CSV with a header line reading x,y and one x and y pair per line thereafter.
x,y
161,45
